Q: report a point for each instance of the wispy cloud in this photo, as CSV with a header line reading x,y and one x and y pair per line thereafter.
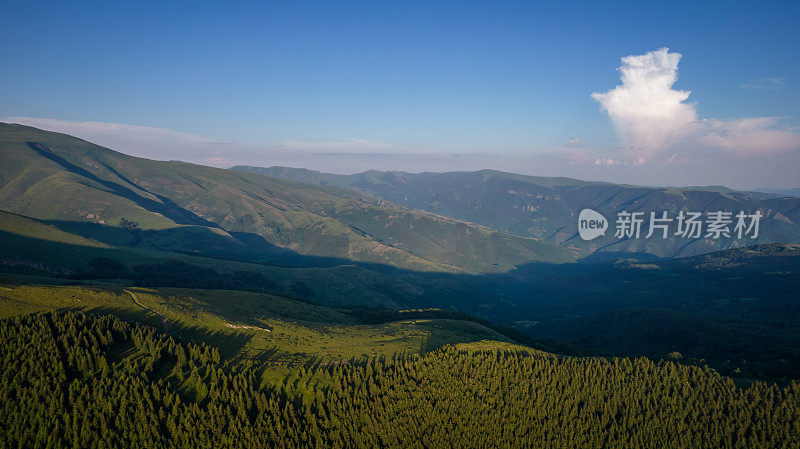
x,y
653,118
142,141
677,164
748,137
611,161
347,146
166,144
765,83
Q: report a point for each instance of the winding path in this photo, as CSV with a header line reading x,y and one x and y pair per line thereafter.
x,y
136,301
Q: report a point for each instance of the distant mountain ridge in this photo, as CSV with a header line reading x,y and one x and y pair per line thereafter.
x,y
71,211
782,192
547,208
172,206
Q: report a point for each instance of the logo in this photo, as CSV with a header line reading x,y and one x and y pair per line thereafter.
x,y
687,225
591,224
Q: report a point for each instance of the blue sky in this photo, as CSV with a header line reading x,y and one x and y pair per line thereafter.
x,y
430,85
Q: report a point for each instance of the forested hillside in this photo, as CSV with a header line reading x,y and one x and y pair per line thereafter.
x,y
259,327
245,310
77,380
737,310
412,225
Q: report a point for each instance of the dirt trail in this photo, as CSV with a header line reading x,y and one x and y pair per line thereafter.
x,y
138,303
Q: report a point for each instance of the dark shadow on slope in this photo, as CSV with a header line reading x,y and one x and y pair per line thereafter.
x,y
166,207
164,200
204,242
736,309
229,344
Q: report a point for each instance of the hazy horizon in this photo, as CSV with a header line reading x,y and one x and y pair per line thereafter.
x,y
318,162
703,96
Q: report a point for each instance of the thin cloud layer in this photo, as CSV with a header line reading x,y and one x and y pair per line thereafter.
x,y
350,146
664,142
749,137
166,144
654,120
771,83
141,141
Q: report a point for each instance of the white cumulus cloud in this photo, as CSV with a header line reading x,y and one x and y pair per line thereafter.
x,y
646,111
653,118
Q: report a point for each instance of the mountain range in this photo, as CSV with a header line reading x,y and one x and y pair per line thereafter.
x,y
496,248
173,206
547,208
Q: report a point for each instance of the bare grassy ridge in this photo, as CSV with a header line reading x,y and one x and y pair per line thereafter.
x,y
246,325
176,206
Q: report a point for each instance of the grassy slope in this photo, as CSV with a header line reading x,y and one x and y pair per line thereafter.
x,y
55,177
247,325
28,246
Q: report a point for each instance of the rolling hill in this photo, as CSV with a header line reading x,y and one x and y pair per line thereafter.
x,y
246,326
71,211
40,251
125,201
547,208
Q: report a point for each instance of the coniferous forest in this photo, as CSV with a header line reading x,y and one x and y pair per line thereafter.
x,y
350,224
78,380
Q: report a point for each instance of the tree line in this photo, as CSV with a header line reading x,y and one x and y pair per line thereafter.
x,y
76,380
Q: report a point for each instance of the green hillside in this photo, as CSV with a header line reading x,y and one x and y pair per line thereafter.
x,y
735,310
72,378
173,206
547,208
73,212
33,248
245,325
